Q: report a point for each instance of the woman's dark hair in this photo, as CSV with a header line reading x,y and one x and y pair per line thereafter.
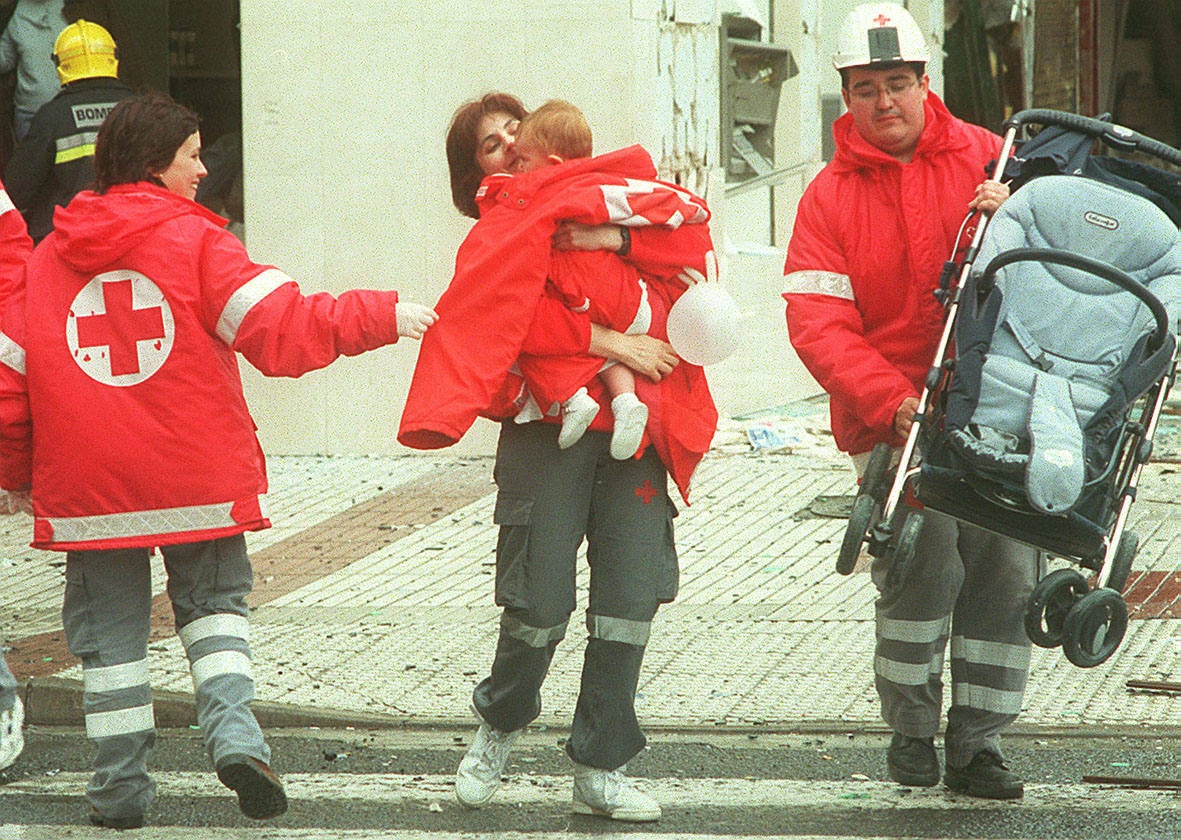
x,y
466,175
140,137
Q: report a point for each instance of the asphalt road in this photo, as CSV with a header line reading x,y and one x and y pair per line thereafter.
x,y
715,785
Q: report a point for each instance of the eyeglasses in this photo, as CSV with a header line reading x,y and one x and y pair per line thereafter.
x,y
893,89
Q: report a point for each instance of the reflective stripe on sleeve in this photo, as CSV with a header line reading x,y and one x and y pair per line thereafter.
x,y
141,523
219,624
999,654
536,637
987,699
220,663
818,283
245,299
623,630
5,202
12,355
116,677
643,319
120,722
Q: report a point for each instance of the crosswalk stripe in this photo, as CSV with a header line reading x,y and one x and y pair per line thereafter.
x,y
671,793
54,832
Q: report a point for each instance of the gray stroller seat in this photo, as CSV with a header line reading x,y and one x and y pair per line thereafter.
x,y
1062,337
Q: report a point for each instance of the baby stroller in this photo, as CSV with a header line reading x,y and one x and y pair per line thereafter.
x,y
1057,355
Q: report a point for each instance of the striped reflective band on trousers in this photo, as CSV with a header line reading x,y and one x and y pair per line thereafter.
x,y
245,299
924,640
622,630
217,663
113,679
76,529
818,283
991,676
535,637
75,147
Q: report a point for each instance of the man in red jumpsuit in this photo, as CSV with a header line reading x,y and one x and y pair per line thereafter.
x,y
871,235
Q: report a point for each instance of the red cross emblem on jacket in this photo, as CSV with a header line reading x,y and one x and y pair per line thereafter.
x,y
120,328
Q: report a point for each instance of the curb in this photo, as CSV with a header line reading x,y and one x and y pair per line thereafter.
x,y
54,701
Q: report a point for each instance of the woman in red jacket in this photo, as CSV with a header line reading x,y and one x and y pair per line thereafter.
x,y
122,416
550,499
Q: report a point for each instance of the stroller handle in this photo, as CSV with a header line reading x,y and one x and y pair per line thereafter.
x,y
1112,134
1106,271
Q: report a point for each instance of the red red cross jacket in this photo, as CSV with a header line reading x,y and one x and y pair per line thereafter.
x,y
120,398
500,273
870,238
609,291
15,245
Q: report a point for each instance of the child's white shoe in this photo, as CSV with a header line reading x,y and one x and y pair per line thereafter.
x,y
631,416
577,414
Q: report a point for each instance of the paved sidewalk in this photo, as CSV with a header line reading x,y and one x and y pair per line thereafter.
x,y
373,600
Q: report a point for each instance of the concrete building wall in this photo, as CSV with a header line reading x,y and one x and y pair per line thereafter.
x,y
345,109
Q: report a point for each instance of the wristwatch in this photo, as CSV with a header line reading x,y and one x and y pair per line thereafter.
x,y
624,249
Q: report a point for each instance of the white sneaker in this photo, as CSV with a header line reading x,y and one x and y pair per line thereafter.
x,y
609,793
12,740
479,773
577,414
631,416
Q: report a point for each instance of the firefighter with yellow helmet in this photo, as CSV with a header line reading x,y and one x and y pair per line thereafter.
x,y
84,50
56,158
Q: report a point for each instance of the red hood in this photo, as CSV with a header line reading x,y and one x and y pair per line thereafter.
x,y
95,230
941,133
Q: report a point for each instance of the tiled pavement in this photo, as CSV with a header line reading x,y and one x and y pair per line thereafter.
x,y
373,597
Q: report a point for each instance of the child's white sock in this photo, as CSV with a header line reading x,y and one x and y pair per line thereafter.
x,y
631,416
577,414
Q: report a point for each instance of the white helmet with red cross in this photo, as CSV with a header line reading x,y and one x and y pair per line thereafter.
x,y
879,33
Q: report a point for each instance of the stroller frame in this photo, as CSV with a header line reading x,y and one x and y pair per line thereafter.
x,y
887,513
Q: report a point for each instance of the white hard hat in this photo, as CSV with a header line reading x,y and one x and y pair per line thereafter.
x,y
878,33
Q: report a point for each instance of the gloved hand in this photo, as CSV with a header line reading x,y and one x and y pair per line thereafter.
x,y
16,501
691,276
414,319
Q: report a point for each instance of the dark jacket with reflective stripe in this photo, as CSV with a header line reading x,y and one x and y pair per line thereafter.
x,y
56,159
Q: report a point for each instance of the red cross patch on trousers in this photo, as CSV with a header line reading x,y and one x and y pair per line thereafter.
x,y
645,492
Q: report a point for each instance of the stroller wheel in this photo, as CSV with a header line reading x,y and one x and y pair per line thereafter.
x,y
873,481
903,554
1121,566
864,511
1094,628
1051,601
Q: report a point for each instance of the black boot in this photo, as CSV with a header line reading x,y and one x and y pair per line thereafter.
x,y
986,776
912,761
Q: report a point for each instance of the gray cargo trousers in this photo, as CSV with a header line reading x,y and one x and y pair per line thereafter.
x,y
107,618
972,586
548,501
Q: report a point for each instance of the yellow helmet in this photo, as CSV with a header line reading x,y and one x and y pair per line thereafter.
x,y
84,50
